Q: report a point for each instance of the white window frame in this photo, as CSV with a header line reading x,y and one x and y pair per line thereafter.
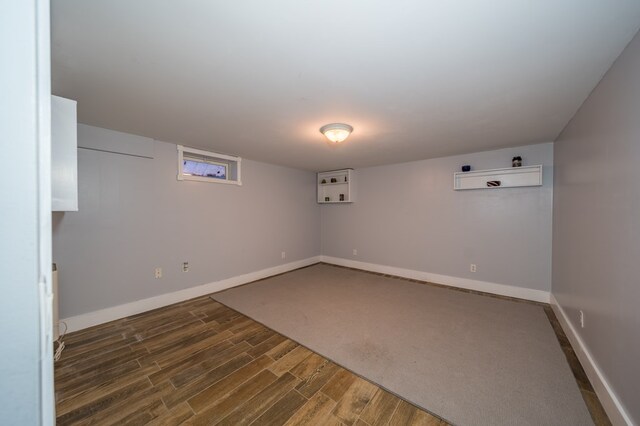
x,y
214,155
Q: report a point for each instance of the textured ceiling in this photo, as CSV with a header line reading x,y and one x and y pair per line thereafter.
x,y
415,78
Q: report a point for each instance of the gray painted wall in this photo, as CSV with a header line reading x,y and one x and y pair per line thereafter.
x,y
134,215
408,216
596,242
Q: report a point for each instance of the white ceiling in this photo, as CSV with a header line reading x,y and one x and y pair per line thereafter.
x,y
415,78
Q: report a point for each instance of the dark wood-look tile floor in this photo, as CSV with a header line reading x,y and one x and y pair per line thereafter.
x,y
199,362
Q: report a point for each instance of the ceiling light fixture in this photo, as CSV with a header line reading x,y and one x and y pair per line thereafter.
x,y
336,132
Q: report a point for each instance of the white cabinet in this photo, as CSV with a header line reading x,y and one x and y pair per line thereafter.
x,y
64,155
498,178
336,186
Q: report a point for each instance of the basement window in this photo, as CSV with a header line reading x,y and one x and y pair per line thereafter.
x,y
205,166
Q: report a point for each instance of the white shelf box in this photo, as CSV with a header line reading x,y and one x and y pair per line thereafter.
x,y
336,187
511,177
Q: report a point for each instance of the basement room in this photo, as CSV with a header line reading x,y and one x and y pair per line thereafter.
x,y
348,213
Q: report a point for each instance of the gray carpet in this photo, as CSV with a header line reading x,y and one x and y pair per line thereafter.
x,y
470,359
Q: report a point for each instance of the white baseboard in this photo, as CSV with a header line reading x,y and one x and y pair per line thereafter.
x,y
487,287
101,316
607,396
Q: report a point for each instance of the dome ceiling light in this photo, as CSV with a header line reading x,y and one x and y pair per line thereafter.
x,y
336,132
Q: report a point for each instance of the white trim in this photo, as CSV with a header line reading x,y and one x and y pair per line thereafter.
x,y
488,287
101,316
208,153
210,180
607,396
45,290
181,176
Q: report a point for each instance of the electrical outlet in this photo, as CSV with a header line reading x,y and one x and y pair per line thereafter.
x,y
581,319
355,252
158,272
185,266
284,254
472,267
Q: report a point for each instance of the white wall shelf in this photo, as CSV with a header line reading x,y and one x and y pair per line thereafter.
x,y
340,191
510,177
335,183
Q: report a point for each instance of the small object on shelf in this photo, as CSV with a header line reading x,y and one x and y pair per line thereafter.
x,y
341,197
346,179
466,168
516,161
327,198
324,181
492,183
334,180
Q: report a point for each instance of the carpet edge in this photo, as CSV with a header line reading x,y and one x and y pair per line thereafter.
x,y
447,280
